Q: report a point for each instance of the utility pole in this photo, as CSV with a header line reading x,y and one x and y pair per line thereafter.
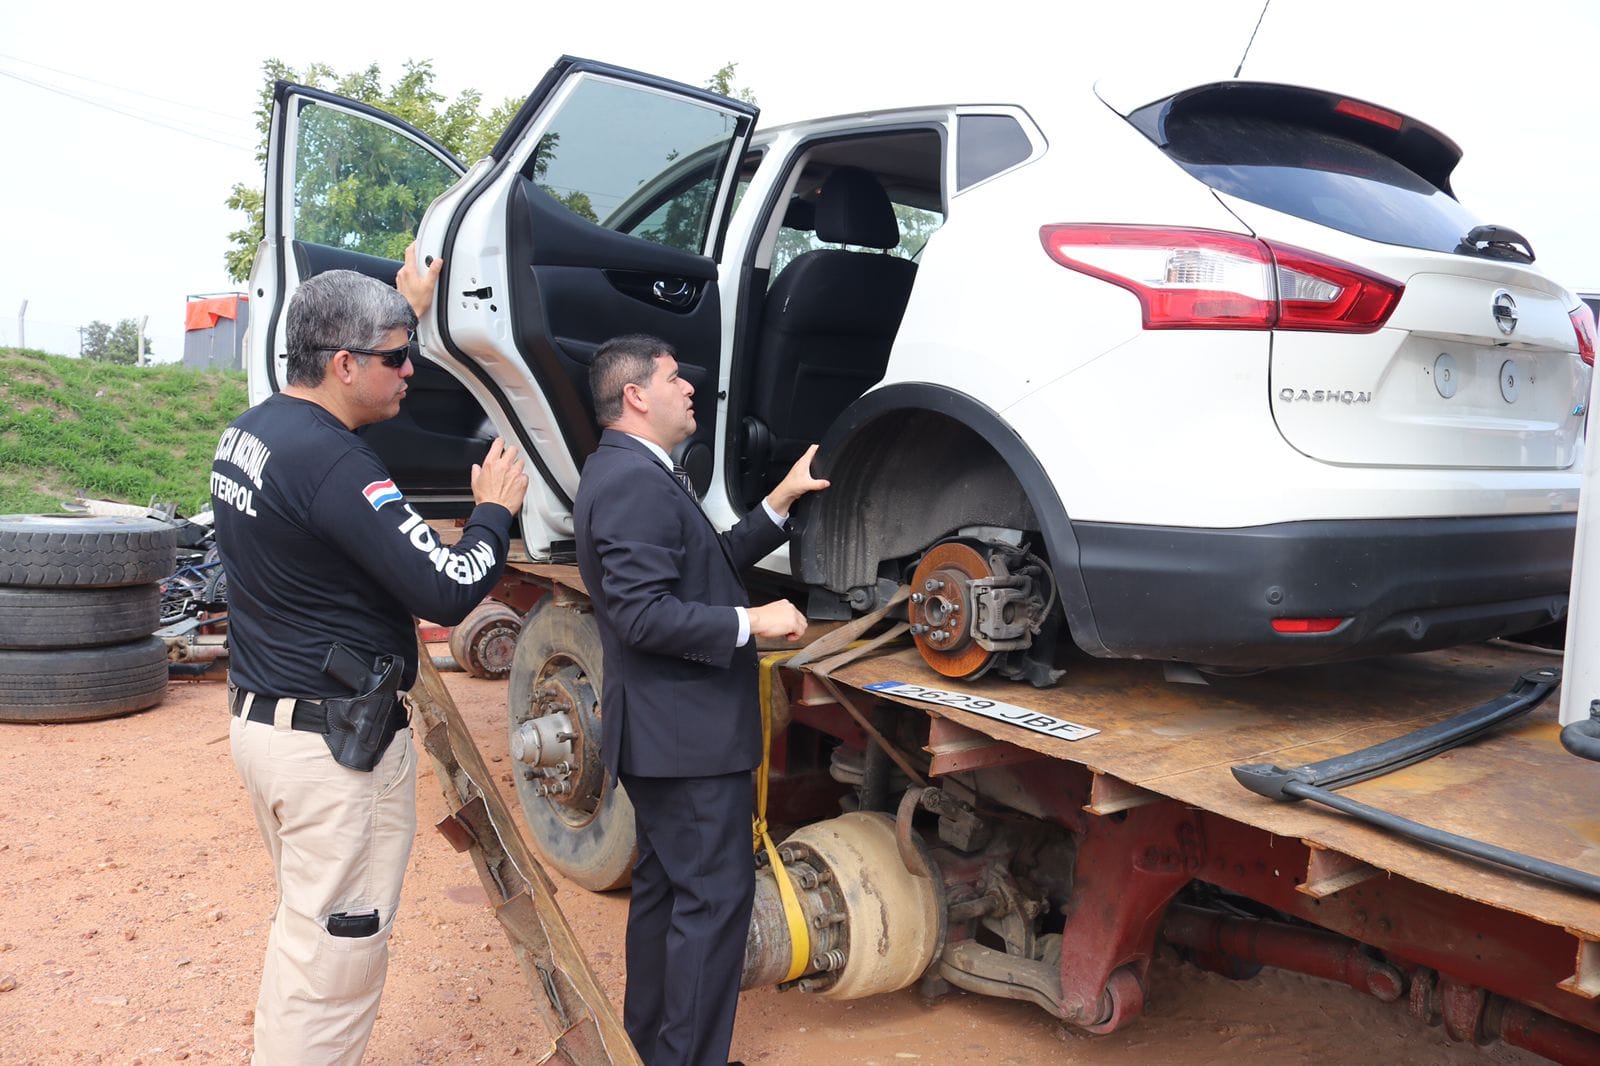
x,y
142,322
22,333
80,342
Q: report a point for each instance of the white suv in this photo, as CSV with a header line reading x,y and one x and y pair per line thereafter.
x,y
1226,376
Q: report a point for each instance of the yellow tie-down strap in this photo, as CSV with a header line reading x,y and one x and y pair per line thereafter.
x,y
799,932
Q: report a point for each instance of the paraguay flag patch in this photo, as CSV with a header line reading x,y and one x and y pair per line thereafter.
x,y
381,492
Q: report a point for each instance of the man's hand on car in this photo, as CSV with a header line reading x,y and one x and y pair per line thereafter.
x,y
500,478
417,285
779,619
795,484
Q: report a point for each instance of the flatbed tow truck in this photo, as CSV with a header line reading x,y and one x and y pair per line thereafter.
x,y
1036,843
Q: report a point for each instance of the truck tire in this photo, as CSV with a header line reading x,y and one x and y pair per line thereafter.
x,y
80,684
77,617
77,551
588,833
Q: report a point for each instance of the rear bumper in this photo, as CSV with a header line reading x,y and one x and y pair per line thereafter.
x,y
1209,596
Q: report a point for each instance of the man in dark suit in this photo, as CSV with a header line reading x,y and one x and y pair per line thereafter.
x,y
680,701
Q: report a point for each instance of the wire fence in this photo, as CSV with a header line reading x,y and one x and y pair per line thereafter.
x,y
64,338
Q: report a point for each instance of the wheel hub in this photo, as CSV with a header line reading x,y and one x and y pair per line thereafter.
x,y
561,739
942,607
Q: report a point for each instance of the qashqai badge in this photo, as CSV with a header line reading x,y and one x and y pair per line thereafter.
x,y
1505,312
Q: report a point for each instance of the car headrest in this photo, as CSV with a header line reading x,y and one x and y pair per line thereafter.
x,y
852,208
800,214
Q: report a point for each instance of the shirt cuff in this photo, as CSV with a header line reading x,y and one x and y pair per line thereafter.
x,y
777,519
744,627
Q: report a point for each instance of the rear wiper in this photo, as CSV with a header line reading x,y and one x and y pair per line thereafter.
x,y
1496,242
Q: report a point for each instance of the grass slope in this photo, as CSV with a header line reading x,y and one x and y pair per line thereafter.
x,y
120,433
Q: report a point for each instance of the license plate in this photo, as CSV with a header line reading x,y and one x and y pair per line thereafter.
x,y
1026,717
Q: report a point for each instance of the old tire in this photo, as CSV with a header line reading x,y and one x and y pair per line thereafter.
x,y
77,551
589,834
484,644
77,617
80,684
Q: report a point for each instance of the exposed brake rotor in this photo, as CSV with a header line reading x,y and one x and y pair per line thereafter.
x,y
942,607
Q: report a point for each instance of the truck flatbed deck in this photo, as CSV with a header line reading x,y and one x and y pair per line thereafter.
x,y
1516,788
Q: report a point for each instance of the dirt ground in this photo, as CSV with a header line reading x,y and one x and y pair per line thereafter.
x,y
135,897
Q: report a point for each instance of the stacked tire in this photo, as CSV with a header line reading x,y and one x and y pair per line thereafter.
x,y
79,599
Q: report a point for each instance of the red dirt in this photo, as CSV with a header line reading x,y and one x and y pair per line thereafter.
x,y
137,896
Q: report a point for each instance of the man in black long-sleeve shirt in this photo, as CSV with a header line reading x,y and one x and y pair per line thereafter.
x,y
320,547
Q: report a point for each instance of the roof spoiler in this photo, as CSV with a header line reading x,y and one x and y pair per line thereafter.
x,y
1416,145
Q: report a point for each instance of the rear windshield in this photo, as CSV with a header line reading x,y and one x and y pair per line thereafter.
x,y
1318,176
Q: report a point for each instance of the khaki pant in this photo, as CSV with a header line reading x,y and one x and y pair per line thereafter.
x,y
339,841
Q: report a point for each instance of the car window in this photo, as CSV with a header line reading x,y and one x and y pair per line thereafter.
x,y
636,161
916,226
1319,176
986,145
360,185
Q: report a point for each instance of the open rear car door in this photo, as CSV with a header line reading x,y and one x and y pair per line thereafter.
x,y
600,212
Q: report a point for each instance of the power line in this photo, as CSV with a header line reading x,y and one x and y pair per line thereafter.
x,y
123,88
128,114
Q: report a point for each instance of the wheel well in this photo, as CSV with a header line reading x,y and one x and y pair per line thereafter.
x,y
902,482
912,462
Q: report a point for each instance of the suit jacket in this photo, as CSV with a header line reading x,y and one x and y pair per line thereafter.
x,y
678,699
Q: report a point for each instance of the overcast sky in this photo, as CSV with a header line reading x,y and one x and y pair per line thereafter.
x,y
126,125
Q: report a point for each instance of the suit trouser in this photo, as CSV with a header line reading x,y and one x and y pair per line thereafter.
x,y
339,841
689,916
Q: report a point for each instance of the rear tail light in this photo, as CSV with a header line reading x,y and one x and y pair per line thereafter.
x,y
1306,625
1583,325
1318,293
1205,279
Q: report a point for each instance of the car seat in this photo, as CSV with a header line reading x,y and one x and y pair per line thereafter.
x,y
829,324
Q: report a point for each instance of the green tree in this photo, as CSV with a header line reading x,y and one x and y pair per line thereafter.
x,y
722,83
113,344
349,194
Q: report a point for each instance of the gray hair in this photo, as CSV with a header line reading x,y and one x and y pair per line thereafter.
x,y
339,309
619,362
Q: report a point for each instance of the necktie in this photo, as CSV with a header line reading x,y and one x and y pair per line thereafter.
x,y
683,479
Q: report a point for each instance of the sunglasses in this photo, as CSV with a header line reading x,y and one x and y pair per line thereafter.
x,y
393,358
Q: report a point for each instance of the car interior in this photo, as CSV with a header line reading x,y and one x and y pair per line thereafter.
x,y
829,281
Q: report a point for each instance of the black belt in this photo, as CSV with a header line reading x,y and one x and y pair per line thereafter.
x,y
309,715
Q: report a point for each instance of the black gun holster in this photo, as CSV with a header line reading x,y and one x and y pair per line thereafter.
x,y
361,726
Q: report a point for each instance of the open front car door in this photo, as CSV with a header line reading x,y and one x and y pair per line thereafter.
x,y
347,186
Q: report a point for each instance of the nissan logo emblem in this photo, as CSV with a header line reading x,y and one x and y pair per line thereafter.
x,y
1505,312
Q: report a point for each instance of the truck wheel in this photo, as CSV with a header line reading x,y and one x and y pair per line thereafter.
x,y
485,642
48,551
77,618
582,824
80,684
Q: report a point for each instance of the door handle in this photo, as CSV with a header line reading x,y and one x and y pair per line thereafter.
x,y
674,292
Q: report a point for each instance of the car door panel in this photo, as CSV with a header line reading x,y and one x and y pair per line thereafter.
x,y
563,308
312,259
